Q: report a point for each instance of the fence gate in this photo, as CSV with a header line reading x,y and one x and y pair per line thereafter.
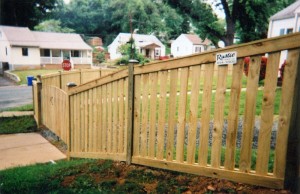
x,y
55,111
98,116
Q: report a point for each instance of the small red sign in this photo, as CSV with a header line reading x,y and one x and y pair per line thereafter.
x,y
66,65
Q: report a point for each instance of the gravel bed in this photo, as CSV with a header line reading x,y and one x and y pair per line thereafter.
x,y
54,139
225,126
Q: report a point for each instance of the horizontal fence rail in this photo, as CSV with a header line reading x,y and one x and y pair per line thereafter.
x,y
61,79
189,115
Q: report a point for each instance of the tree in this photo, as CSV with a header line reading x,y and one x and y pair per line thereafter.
x,y
52,26
81,15
25,13
108,18
174,23
247,17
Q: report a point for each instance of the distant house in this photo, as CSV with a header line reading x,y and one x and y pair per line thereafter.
x,y
187,44
285,21
148,45
22,48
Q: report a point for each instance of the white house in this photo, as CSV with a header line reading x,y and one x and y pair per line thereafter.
x,y
147,45
187,44
22,48
284,22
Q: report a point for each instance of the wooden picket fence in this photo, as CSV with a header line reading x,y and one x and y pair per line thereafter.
x,y
171,115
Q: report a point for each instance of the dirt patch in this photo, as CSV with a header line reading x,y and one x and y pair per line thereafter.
x,y
108,176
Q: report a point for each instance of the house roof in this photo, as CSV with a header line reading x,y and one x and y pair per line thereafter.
x,y
22,36
196,40
141,40
288,12
51,40
19,36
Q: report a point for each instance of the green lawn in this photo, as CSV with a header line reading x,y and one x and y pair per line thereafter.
x,y
23,124
90,176
27,107
105,176
23,74
242,103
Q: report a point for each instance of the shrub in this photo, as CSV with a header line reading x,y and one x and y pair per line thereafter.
x,y
263,68
101,57
125,51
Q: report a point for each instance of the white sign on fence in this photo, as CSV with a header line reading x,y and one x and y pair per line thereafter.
x,y
226,58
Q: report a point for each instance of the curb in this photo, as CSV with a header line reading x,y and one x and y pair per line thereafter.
x,y
16,113
12,76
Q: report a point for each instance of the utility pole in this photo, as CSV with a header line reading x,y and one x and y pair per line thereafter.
x,y
131,38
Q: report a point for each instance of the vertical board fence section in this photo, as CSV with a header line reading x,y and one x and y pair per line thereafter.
x,y
184,114
206,120
55,111
98,118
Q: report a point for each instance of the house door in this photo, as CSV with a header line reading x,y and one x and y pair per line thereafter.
x,y
5,67
148,53
66,54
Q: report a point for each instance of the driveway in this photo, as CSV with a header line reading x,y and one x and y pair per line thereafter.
x,y
6,82
14,96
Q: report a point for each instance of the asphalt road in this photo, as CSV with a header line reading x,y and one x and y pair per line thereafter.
x,y
12,95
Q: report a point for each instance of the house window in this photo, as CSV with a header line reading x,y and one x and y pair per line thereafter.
x,y
45,52
178,48
56,53
289,30
197,49
24,51
6,51
281,31
75,53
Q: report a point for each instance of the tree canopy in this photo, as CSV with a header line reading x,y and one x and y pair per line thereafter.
x,y
167,19
25,12
52,26
246,18
108,18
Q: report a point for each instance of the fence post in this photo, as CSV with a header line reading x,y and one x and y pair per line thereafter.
x,y
292,167
69,132
130,110
39,100
60,79
81,78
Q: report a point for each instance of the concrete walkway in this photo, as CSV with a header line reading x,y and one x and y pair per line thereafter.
x,y
26,148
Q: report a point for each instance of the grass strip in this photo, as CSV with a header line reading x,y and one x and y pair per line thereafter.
x,y
23,74
41,178
27,107
22,124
